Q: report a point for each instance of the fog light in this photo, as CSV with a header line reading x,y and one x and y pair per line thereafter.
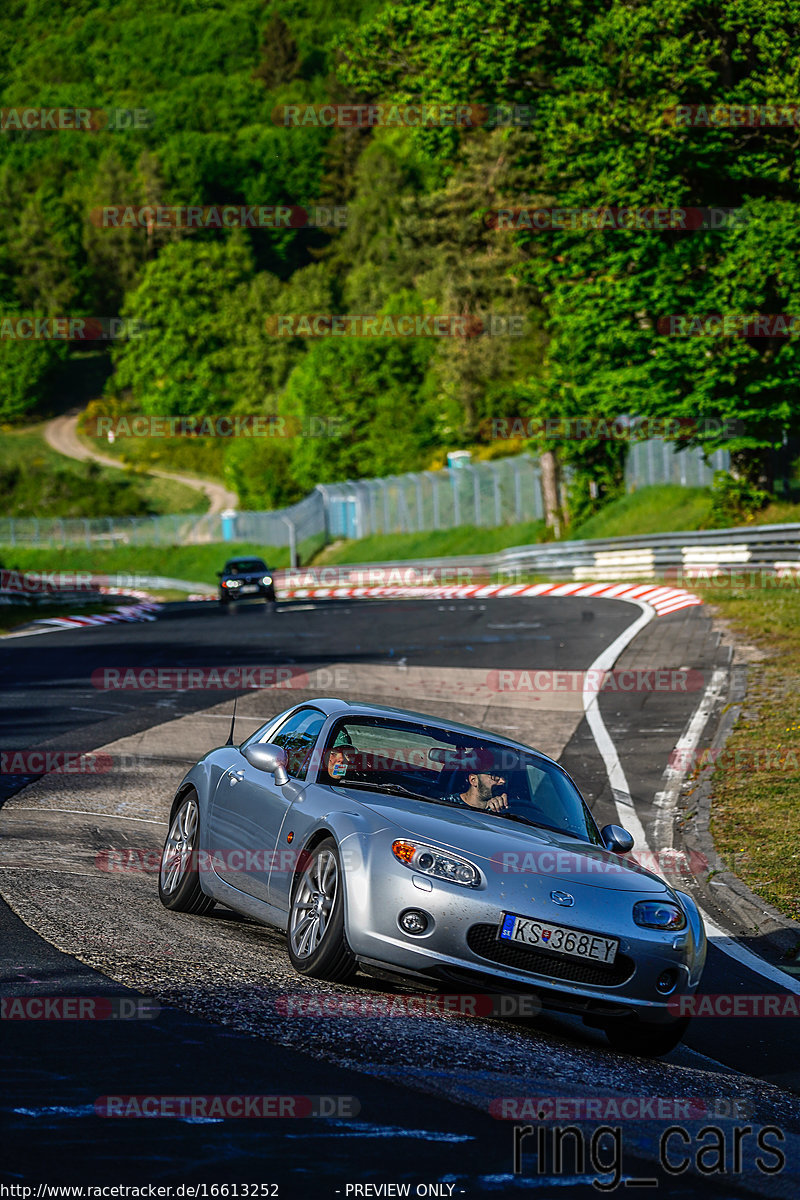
x,y
413,921
666,982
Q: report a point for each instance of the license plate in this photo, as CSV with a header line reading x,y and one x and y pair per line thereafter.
x,y
560,939
249,587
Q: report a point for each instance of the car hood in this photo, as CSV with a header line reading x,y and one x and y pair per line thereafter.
x,y
508,848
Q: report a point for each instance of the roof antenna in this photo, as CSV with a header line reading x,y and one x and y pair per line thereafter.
x,y
233,718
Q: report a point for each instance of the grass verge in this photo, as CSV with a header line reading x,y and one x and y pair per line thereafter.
x,y
465,539
38,481
198,563
755,813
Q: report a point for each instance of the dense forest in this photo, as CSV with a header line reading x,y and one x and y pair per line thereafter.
x,y
619,109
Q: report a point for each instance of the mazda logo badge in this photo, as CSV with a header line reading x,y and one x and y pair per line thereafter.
x,y
562,898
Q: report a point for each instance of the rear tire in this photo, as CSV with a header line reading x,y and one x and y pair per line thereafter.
x,y
646,1041
178,878
317,943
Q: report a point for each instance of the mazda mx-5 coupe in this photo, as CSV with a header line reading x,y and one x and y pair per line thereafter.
x,y
399,843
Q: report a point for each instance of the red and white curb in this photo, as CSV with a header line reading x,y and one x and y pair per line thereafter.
x,y
145,610
663,600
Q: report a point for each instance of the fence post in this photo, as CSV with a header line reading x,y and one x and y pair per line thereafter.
x,y
386,517
420,516
498,507
292,542
476,492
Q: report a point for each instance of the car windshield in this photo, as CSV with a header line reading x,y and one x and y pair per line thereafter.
x,y
243,565
433,764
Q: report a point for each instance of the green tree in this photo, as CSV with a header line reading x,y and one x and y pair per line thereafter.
x,y
180,363
279,58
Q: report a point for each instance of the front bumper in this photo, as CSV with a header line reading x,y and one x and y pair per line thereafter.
x,y
460,943
261,592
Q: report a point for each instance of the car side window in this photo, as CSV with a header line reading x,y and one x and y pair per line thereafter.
x,y
298,736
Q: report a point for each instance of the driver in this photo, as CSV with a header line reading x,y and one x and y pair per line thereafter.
x,y
335,760
482,784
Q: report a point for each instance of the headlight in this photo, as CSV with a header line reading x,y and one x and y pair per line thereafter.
x,y
267,579
659,914
429,861
231,583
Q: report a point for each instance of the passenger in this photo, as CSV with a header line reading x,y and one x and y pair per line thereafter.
x,y
481,784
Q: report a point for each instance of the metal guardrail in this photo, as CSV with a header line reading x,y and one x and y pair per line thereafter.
x,y
690,553
771,547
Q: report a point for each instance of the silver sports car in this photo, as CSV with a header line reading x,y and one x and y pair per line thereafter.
x,y
390,840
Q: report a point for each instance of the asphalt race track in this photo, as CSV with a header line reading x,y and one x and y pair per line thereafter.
x,y
228,1016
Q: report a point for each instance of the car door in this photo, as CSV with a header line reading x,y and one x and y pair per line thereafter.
x,y
248,807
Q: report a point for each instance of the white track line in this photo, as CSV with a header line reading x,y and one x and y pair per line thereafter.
x,y
723,941
626,813
591,695
667,798
85,812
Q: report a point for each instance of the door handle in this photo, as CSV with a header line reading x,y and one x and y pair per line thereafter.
x,y
236,777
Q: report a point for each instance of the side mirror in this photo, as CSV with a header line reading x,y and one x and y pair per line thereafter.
x,y
616,839
265,756
219,574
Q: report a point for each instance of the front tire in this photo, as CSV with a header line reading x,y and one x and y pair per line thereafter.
x,y
646,1041
317,943
178,878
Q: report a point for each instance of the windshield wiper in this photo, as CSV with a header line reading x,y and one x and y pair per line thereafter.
x,y
540,825
516,817
393,789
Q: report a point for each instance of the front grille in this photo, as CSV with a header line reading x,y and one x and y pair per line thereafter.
x,y
483,940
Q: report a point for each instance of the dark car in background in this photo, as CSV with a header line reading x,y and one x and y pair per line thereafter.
x,y
245,579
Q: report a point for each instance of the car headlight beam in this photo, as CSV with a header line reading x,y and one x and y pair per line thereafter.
x,y
427,860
